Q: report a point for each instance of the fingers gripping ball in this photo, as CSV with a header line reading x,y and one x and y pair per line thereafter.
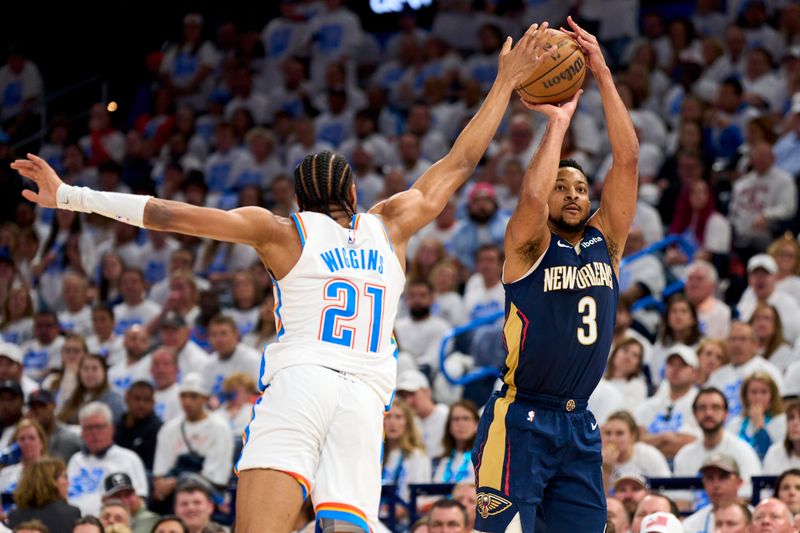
x,y
561,73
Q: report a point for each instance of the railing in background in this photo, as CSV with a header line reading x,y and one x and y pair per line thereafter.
x,y
389,493
475,374
68,91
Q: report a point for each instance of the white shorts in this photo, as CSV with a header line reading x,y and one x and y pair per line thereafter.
x,y
325,429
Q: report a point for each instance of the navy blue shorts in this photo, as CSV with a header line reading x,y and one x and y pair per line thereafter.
x,y
539,457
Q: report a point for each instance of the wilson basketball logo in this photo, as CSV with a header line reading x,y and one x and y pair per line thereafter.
x,y
570,72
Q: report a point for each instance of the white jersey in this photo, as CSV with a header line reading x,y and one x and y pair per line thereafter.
x,y
337,306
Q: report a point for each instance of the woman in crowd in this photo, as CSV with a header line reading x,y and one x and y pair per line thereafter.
x,y
447,302
679,325
63,381
32,443
698,220
92,386
404,458
264,333
622,451
42,494
786,454
455,464
762,421
246,295
429,252
787,489
768,329
240,390
786,252
17,325
625,370
65,248
170,524
110,272
712,353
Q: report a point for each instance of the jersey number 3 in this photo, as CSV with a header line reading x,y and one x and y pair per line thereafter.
x,y
587,308
341,321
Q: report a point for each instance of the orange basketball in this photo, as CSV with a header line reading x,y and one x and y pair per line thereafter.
x,y
561,73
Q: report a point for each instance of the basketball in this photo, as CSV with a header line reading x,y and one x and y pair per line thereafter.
x,y
561,73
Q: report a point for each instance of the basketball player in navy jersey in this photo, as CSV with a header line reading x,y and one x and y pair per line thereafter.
x,y
538,452
316,430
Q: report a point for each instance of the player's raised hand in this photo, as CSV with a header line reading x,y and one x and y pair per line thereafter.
x,y
37,169
563,111
589,45
518,62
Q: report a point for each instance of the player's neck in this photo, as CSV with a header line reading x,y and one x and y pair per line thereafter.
x,y
571,237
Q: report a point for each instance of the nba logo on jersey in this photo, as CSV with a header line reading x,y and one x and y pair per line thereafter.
x,y
351,237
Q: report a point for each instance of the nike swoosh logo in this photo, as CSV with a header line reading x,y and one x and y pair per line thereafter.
x,y
561,244
594,426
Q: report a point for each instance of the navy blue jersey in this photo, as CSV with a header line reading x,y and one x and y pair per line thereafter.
x,y
560,320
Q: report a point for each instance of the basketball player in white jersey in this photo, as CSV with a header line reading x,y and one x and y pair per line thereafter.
x,y
317,428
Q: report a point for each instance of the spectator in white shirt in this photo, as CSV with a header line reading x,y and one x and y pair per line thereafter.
x,y
104,341
680,325
11,367
630,488
230,356
666,420
164,368
622,450
134,309
420,333
405,460
786,453
136,365
77,316
175,334
786,252
415,389
196,431
700,290
721,482
768,328
43,352
712,354
484,293
761,277
625,370
711,409
100,457
743,350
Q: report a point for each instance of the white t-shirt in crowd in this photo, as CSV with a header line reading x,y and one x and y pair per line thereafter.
x,y
433,428
777,460
87,472
660,414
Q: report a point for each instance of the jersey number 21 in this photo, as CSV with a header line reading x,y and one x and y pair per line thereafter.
x,y
341,322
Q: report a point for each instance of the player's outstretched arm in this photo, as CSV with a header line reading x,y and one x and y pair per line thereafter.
x,y
618,202
247,225
407,212
526,232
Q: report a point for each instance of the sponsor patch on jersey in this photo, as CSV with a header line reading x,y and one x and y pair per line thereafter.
x,y
491,504
593,240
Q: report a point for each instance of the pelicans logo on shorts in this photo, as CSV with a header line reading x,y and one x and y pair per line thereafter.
x,y
491,504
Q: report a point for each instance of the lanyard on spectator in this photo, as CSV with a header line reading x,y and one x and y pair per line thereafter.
x,y
398,471
745,424
449,476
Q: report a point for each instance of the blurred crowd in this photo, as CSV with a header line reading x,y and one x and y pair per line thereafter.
x,y
129,358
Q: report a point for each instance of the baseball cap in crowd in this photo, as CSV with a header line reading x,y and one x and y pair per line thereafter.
x,y
482,190
791,390
722,461
412,381
13,386
117,482
193,383
43,396
629,475
173,319
686,353
661,523
763,261
11,351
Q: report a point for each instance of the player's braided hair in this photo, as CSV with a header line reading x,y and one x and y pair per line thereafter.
x,y
322,180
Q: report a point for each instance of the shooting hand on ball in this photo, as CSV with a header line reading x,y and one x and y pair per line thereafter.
x,y
563,111
588,43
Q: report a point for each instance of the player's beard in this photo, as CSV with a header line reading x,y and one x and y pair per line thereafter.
x,y
565,226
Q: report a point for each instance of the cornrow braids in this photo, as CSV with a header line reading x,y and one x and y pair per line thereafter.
x,y
323,179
